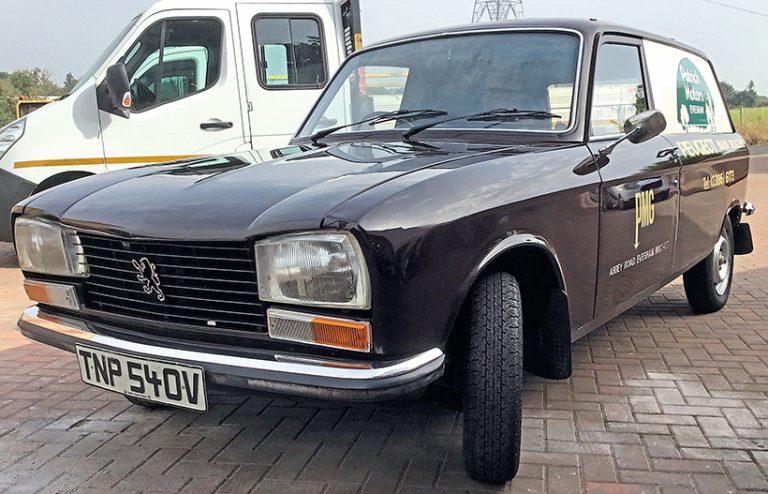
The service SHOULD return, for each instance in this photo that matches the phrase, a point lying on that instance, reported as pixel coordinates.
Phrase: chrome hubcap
(722, 264)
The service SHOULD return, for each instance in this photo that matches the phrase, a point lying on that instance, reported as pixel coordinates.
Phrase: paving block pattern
(660, 402)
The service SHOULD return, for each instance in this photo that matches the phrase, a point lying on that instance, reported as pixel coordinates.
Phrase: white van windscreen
(685, 91)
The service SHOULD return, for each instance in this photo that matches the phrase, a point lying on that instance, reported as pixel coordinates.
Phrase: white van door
(186, 96)
(290, 50)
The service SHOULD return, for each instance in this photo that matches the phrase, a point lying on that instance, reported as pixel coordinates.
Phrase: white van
(205, 77)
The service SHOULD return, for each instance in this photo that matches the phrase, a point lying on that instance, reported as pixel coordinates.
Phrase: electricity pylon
(497, 10)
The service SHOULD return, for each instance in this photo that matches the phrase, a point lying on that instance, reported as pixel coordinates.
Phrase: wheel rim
(722, 264)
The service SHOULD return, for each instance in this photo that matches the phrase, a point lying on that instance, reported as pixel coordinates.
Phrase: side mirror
(114, 93)
(638, 128)
(645, 126)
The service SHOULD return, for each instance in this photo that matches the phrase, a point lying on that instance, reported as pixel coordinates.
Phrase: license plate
(161, 382)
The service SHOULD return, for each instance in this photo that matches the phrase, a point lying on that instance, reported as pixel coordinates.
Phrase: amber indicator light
(351, 335)
(37, 292)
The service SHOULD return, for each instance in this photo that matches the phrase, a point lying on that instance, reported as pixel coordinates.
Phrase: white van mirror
(114, 92)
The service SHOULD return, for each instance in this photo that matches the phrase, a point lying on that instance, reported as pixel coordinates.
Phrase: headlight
(10, 134)
(315, 269)
(49, 248)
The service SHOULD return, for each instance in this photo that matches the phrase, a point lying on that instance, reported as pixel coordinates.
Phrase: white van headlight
(10, 134)
(313, 269)
(48, 248)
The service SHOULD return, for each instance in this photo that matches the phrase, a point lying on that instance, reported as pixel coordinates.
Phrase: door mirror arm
(638, 128)
(606, 150)
(114, 93)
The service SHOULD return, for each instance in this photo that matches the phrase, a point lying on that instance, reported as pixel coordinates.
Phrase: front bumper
(13, 189)
(337, 380)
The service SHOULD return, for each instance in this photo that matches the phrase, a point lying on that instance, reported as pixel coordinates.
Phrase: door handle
(216, 124)
(672, 153)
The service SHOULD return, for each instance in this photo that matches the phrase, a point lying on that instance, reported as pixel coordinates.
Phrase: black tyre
(493, 380)
(149, 405)
(708, 284)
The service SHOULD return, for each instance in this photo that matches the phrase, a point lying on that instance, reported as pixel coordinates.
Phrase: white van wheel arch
(58, 179)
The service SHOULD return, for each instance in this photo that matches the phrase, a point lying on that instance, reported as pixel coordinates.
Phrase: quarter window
(290, 52)
(174, 59)
(618, 92)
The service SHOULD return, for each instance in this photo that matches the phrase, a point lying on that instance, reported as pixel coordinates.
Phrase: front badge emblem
(149, 278)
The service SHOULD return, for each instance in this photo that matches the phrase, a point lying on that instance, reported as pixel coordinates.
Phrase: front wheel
(708, 284)
(493, 380)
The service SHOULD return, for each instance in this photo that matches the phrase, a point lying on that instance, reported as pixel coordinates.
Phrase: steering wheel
(380, 113)
(143, 93)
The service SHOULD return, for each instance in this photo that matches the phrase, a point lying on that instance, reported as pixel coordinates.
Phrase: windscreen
(459, 75)
(104, 54)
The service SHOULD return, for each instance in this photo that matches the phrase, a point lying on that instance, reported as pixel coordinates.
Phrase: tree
(70, 82)
(729, 92)
(8, 98)
(35, 83)
(31, 83)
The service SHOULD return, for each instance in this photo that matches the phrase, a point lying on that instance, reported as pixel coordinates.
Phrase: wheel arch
(546, 320)
(60, 178)
(734, 212)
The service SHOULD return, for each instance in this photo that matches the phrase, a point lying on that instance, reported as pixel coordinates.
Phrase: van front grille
(209, 285)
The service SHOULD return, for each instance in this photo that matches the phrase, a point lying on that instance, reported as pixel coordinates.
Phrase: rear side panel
(715, 160)
(274, 36)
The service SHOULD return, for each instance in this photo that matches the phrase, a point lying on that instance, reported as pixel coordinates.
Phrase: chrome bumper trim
(65, 332)
(748, 209)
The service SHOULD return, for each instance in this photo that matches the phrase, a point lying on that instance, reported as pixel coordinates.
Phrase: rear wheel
(708, 284)
(493, 380)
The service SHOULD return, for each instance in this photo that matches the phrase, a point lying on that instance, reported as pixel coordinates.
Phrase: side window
(173, 59)
(618, 91)
(685, 90)
(289, 52)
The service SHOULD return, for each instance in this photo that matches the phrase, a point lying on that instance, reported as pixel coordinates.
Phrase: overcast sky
(67, 35)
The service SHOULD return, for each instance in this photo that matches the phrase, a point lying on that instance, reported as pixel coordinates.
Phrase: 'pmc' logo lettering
(645, 213)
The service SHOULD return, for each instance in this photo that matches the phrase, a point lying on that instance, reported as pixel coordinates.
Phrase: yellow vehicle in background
(26, 106)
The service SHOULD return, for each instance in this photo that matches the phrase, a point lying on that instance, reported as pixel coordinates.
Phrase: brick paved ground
(661, 401)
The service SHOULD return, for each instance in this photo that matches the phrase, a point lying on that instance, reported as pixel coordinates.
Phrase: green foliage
(752, 124)
(729, 92)
(30, 83)
(746, 98)
(70, 82)
(8, 99)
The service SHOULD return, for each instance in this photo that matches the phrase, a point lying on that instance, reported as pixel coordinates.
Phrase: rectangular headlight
(313, 269)
(48, 248)
(10, 134)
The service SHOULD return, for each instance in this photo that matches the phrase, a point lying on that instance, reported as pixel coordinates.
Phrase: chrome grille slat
(198, 258)
(170, 266)
(162, 244)
(168, 305)
(194, 278)
(136, 282)
(211, 286)
(175, 296)
(99, 289)
(187, 318)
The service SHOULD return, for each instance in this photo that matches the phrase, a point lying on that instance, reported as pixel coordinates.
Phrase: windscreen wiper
(382, 118)
(497, 115)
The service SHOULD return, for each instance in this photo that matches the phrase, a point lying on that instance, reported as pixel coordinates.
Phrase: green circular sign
(694, 101)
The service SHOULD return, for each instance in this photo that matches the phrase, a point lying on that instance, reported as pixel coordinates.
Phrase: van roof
(589, 28)
(214, 4)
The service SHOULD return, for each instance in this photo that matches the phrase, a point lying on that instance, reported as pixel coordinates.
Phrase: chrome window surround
(577, 87)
